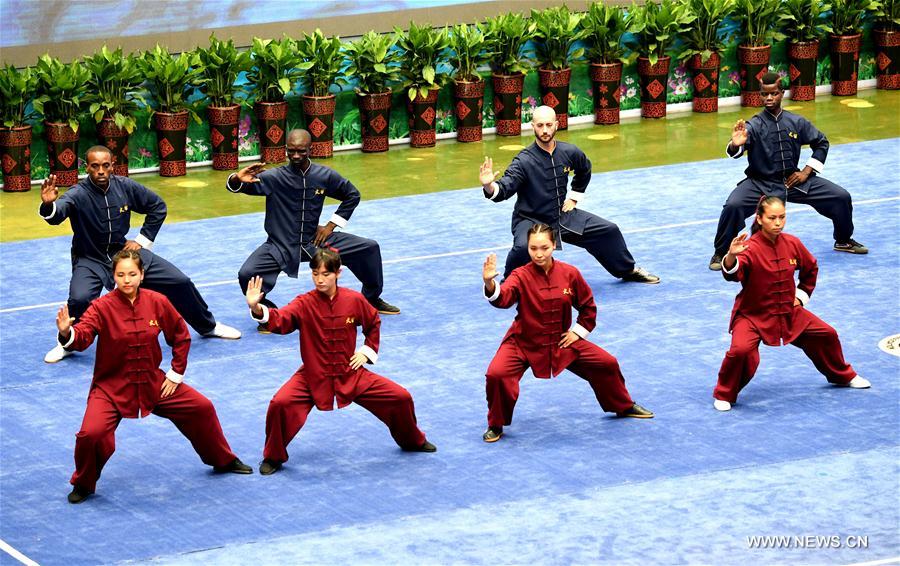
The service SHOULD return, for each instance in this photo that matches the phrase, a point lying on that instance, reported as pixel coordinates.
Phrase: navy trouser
(830, 200)
(361, 255)
(89, 277)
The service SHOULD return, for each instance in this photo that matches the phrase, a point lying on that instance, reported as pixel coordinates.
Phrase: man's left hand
(796, 178)
(569, 205)
(131, 245)
(322, 233)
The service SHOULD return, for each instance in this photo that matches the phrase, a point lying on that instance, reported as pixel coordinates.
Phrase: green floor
(681, 137)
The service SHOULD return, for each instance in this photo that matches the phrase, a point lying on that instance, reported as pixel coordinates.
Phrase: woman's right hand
(254, 294)
(489, 271)
(64, 321)
(738, 245)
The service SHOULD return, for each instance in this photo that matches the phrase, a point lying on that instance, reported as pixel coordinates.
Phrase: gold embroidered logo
(351, 320)
(792, 261)
(567, 291)
(320, 192)
(568, 170)
(153, 323)
(123, 209)
(793, 135)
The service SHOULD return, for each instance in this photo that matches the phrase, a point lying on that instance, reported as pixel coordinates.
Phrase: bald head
(299, 137)
(298, 144)
(544, 123)
(543, 114)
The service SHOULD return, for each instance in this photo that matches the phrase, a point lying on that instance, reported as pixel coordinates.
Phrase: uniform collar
(98, 189)
(121, 296)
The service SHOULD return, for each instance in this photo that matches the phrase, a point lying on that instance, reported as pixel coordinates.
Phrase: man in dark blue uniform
(99, 209)
(539, 177)
(295, 195)
(772, 141)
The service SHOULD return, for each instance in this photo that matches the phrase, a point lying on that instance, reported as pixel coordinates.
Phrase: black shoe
(234, 467)
(715, 263)
(641, 275)
(384, 307)
(492, 434)
(268, 467)
(636, 412)
(263, 328)
(851, 246)
(78, 495)
(426, 447)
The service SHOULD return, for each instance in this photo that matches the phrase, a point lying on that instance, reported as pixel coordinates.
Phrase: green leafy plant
(757, 20)
(802, 20)
(657, 26)
(470, 51)
(62, 92)
(274, 69)
(172, 79)
(221, 63)
(16, 89)
(556, 31)
(847, 15)
(507, 35)
(706, 34)
(321, 59)
(887, 17)
(424, 49)
(373, 62)
(602, 29)
(115, 79)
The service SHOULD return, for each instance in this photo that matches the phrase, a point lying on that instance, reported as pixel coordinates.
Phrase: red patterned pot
(753, 63)
(374, 120)
(802, 59)
(469, 97)
(887, 59)
(62, 152)
(15, 157)
(554, 86)
(271, 121)
(844, 63)
(654, 80)
(171, 139)
(606, 79)
(223, 135)
(116, 140)
(508, 103)
(318, 113)
(422, 112)
(705, 79)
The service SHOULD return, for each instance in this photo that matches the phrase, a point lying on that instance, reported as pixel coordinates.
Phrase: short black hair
(771, 78)
(329, 259)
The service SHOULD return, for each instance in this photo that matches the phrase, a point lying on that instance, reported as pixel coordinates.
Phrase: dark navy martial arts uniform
(773, 152)
(294, 202)
(100, 222)
(540, 182)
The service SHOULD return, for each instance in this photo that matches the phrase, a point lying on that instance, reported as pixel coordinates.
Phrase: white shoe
(721, 405)
(859, 383)
(56, 354)
(224, 331)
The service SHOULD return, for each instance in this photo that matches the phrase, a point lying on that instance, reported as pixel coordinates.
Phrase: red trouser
(187, 408)
(391, 403)
(594, 365)
(819, 342)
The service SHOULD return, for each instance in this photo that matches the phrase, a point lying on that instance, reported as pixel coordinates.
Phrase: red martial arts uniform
(764, 311)
(127, 381)
(545, 302)
(327, 341)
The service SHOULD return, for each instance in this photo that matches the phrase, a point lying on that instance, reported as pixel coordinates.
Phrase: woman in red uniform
(543, 337)
(127, 380)
(327, 319)
(770, 306)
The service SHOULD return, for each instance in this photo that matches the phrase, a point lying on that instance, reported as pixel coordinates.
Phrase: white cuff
(228, 184)
(494, 295)
(265, 315)
(581, 331)
(69, 341)
(174, 376)
(341, 222)
(816, 165)
(575, 195)
(369, 353)
(737, 262)
(736, 155)
(496, 189)
(145, 242)
(52, 213)
(802, 296)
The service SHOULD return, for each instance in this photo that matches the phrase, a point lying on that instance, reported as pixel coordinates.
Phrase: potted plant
(656, 26)
(846, 23)
(115, 79)
(507, 35)
(802, 23)
(470, 51)
(373, 62)
(756, 21)
(16, 90)
(886, 34)
(222, 63)
(62, 94)
(273, 75)
(423, 50)
(602, 29)
(703, 45)
(556, 31)
(321, 60)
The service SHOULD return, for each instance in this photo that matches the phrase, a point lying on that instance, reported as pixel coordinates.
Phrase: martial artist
(99, 209)
(772, 141)
(539, 176)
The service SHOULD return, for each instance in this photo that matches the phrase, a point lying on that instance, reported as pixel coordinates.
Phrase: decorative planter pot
(887, 59)
(62, 152)
(271, 120)
(15, 157)
(705, 78)
(844, 63)
(469, 96)
(422, 112)
(802, 58)
(554, 85)
(223, 135)
(606, 79)
(116, 140)
(318, 113)
(753, 63)
(171, 139)
(653, 80)
(508, 103)
(374, 120)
